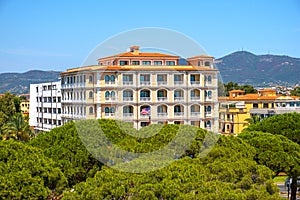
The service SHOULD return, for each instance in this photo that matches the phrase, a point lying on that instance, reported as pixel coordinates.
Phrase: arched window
(107, 78)
(107, 94)
(90, 79)
(112, 110)
(112, 78)
(91, 110)
(209, 93)
(208, 124)
(113, 94)
(106, 109)
(91, 94)
(207, 64)
(209, 78)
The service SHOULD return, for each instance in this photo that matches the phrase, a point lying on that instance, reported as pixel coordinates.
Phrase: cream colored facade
(143, 94)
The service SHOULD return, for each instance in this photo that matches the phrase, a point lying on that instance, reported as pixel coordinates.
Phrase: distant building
(24, 107)
(235, 109)
(143, 88)
(45, 106)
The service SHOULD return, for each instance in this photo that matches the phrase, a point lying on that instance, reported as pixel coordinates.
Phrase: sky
(58, 35)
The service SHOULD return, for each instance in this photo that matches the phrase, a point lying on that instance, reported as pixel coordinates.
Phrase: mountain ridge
(242, 67)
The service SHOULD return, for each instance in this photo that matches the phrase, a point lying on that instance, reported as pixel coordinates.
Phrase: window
(157, 62)
(255, 105)
(112, 110)
(144, 78)
(113, 94)
(91, 110)
(123, 62)
(59, 110)
(135, 62)
(146, 62)
(112, 78)
(143, 124)
(90, 79)
(59, 99)
(207, 64)
(107, 78)
(90, 94)
(170, 63)
(178, 78)
(265, 105)
(199, 63)
(127, 78)
(193, 78)
(209, 78)
(37, 89)
(107, 94)
(106, 109)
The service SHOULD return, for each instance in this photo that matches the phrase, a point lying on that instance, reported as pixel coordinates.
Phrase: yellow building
(235, 109)
(24, 107)
(143, 88)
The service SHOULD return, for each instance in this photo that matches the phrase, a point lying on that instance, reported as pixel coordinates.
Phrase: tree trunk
(294, 188)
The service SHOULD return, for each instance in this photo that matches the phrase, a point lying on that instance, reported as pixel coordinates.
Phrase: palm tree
(17, 128)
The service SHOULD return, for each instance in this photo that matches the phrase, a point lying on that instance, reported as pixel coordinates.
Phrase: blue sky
(56, 35)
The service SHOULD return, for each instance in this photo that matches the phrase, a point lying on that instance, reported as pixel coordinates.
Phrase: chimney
(135, 50)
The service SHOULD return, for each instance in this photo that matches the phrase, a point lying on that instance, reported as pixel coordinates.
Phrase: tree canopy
(287, 124)
(26, 173)
(249, 89)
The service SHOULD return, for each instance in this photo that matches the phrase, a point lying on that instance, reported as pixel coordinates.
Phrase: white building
(45, 106)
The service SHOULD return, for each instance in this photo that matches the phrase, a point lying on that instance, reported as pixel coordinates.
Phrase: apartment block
(45, 106)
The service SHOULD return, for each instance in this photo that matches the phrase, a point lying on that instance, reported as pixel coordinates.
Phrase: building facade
(143, 88)
(238, 107)
(45, 106)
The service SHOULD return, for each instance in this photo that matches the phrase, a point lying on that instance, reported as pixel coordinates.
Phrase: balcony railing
(162, 82)
(145, 115)
(195, 98)
(178, 98)
(208, 98)
(127, 98)
(178, 114)
(178, 82)
(195, 82)
(194, 114)
(145, 98)
(208, 83)
(109, 114)
(145, 83)
(208, 114)
(127, 114)
(127, 82)
(162, 114)
(111, 82)
(162, 98)
(110, 98)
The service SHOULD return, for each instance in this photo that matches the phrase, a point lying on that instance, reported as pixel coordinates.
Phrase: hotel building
(45, 106)
(143, 88)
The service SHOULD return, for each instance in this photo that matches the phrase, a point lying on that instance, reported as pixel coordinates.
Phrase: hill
(246, 68)
(18, 83)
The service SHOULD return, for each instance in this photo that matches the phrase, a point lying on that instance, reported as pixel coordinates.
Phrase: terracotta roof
(140, 54)
(237, 91)
(254, 97)
(140, 68)
(201, 56)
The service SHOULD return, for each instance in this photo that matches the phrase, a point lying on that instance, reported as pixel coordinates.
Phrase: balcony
(127, 98)
(109, 115)
(162, 98)
(145, 98)
(128, 115)
(162, 114)
(195, 82)
(110, 98)
(178, 82)
(178, 114)
(209, 98)
(208, 83)
(195, 114)
(208, 114)
(178, 98)
(127, 82)
(145, 83)
(162, 82)
(195, 98)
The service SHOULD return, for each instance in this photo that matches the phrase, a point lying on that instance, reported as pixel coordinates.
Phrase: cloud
(31, 52)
